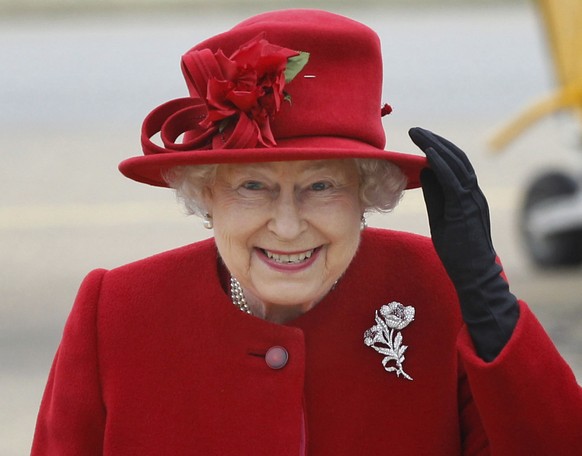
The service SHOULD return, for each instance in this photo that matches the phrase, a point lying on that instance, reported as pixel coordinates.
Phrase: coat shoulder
(174, 259)
(174, 276)
(414, 251)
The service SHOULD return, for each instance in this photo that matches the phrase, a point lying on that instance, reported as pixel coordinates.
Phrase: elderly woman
(296, 330)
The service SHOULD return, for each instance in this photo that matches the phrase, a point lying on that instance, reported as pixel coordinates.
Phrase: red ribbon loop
(171, 120)
(198, 67)
(182, 117)
(185, 121)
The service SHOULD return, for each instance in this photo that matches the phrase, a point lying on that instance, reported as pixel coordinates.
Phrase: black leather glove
(460, 228)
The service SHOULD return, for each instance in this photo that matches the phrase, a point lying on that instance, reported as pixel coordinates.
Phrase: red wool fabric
(155, 359)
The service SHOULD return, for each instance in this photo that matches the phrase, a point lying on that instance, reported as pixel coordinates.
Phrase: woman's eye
(253, 185)
(320, 186)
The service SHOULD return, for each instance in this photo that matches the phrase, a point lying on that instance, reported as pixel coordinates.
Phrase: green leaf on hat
(294, 65)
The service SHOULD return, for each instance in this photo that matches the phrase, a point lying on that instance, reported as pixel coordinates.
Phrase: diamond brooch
(386, 338)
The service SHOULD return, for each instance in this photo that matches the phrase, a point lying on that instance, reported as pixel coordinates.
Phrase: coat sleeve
(72, 414)
(474, 437)
(528, 398)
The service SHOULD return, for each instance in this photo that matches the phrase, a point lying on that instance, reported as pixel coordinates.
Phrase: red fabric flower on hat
(245, 90)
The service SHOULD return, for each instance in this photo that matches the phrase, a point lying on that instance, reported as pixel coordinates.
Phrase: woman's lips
(289, 261)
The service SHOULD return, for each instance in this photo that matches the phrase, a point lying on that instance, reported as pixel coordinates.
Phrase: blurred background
(77, 78)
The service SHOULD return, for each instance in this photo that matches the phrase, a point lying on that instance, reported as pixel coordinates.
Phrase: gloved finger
(450, 191)
(434, 197)
(428, 141)
(460, 201)
(421, 137)
(447, 177)
(456, 159)
(456, 176)
(464, 174)
(446, 144)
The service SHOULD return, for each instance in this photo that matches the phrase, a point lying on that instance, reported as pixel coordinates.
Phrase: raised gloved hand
(460, 229)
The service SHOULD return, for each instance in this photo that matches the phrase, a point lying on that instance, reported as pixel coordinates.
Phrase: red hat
(295, 84)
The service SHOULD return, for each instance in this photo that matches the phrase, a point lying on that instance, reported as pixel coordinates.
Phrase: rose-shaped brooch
(243, 92)
(391, 318)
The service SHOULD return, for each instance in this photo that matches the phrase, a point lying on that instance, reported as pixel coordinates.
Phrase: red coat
(156, 360)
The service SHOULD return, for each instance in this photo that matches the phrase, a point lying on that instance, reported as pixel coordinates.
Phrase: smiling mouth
(292, 258)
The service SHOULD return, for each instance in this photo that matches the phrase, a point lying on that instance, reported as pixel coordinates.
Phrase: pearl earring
(207, 222)
(363, 223)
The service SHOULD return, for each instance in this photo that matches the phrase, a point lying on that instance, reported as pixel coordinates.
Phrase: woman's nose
(287, 221)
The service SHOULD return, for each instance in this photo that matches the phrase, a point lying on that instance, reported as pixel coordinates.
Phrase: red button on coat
(276, 357)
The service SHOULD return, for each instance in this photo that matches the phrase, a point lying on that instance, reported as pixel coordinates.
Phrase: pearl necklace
(238, 297)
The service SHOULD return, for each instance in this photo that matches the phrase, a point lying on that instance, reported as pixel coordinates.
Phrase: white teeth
(289, 259)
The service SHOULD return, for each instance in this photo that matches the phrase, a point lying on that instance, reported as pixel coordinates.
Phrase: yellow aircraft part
(563, 23)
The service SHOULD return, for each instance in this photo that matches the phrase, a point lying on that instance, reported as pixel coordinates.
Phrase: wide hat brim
(149, 169)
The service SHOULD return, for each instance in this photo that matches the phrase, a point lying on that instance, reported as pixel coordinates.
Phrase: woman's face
(286, 230)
